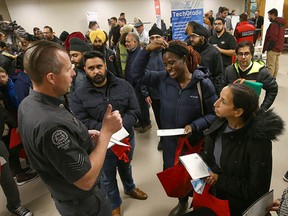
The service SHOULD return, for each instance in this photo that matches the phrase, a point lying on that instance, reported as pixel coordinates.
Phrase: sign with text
(183, 12)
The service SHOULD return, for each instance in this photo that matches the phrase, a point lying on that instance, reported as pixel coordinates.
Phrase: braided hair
(181, 49)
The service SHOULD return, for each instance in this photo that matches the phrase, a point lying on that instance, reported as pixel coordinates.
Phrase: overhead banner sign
(183, 12)
(158, 13)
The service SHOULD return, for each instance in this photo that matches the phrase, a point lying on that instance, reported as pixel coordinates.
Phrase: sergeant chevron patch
(77, 164)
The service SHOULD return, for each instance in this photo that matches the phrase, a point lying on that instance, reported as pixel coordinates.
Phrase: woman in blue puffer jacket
(179, 97)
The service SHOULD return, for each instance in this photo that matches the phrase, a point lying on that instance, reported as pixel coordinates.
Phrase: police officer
(66, 155)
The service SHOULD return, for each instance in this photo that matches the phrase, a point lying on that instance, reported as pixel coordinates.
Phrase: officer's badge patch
(60, 139)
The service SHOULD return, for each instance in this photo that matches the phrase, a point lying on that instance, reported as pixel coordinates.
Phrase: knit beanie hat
(76, 44)
(155, 31)
(63, 36)
(97, 33)
(200, 30)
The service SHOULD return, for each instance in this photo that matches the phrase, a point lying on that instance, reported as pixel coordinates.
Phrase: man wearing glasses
(224, 42)
(250, 69)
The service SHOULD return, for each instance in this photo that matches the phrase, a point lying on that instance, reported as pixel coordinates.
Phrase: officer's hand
(157, 44)
(112, 121)
(94, 134)
(148, 100)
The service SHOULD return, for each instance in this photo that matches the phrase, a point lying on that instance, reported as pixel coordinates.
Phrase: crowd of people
(64, 97)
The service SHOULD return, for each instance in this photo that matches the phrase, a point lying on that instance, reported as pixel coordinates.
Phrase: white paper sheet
(116, 137)
(258, 208)
(195, 166)
(2, 161)
(171, 132)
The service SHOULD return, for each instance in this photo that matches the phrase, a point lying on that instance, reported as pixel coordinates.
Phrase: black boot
(179, 209)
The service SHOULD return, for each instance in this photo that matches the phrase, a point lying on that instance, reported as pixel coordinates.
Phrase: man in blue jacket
(89, 103)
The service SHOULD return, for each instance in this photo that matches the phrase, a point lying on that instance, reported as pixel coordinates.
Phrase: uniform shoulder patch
(61, 139)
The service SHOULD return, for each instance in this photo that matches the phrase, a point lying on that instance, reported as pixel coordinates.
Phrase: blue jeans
(109, 172)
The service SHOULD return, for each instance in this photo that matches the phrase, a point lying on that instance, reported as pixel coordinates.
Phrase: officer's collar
(49, 100)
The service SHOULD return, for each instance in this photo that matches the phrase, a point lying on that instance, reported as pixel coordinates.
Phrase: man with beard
(249, 69)
(274, 41)
(224, 42)
(210, 55)
(89, 103)
(77, 48)
(98, 39)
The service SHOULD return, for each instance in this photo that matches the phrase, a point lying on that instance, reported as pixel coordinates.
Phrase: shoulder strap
(200, 96)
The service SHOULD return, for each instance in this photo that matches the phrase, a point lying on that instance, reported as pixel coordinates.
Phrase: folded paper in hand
(116, 137)
(171, 132)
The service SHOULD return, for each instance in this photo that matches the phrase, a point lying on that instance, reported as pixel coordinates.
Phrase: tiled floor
(148, 161)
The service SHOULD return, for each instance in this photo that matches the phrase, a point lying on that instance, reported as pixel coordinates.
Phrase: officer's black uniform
(58, 146)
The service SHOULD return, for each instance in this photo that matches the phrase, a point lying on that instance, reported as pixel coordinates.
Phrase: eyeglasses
(245, 54)
(193, 36)
(154, 37)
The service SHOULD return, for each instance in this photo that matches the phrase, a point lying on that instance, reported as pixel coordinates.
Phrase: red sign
(157, 7)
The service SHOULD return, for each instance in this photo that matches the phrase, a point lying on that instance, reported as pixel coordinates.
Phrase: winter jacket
(244, 32)
(259, 73)
(111, 63)
(211, 59)
(1, 124)
(6, 61)
(22, 84)
(121, 56)
(129, 60)
(10, 97)
(155, 64)
(246, 158)
(274, 39)
(78, 79)
(89, 103)
(179, 107)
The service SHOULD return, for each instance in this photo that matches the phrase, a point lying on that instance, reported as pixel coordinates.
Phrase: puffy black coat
(246, 158)
(211, 59)
(89, 103)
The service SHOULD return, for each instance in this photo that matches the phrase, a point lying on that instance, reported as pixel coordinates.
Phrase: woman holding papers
(238, 147)
(179, 96)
